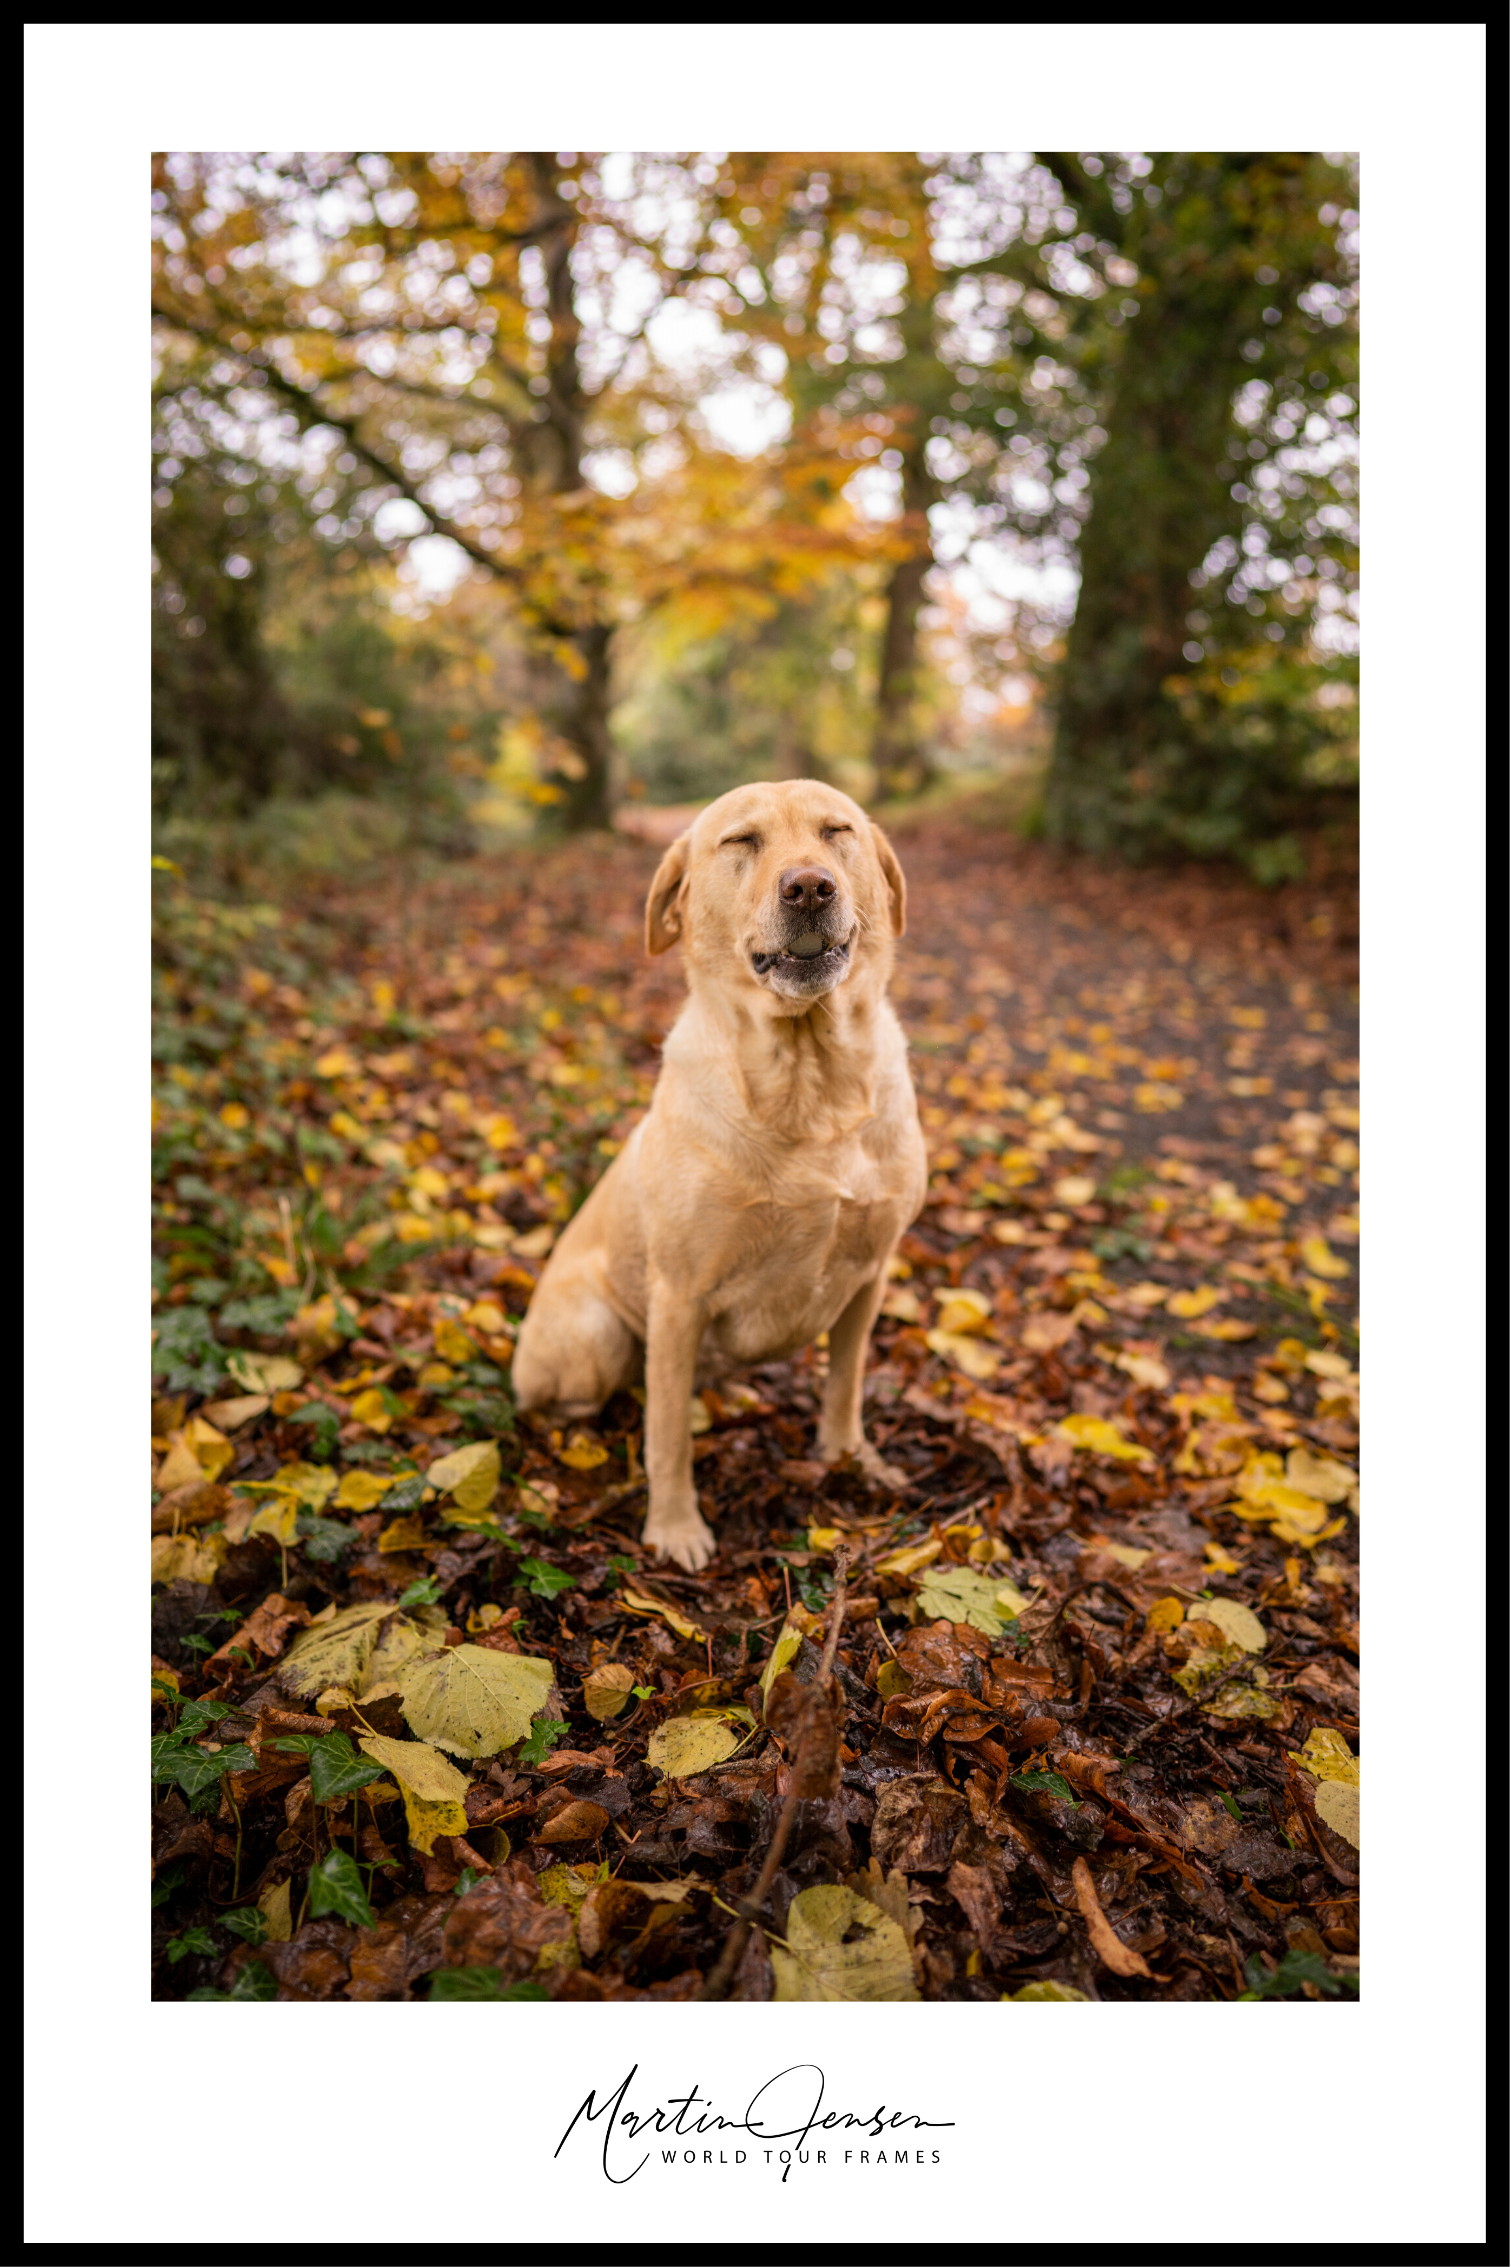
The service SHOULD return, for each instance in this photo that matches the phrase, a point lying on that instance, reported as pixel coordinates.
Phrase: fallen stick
(749, 1909)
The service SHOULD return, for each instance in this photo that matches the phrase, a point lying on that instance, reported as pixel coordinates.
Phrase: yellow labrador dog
(758, 1202)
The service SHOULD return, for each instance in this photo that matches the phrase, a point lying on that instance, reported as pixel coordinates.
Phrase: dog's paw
(684, 1537)
(872, 1467)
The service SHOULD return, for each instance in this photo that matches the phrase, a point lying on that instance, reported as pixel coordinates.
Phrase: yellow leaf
(403, 1534)
(343, 1123)
(1219, 1560)
(1320, 1476)
(337, 1062)
(1238, 1625)
(698, 1418)
(1046, 1988)
(909, 1557)
(1229, 1329)
(1187, 1304)
(1075, 1188)
(1338, 1807)
(788, 1643)
(1320, 1258)
(452, 1342)
(274, 1907)
(959, 1594)
(1144, 1369)
(335, 1653)
(1124, 1553)
(902, 1305)
(197, 1558)
(485, 1315)
(468, 1475)
(180, 1468)
(535, 1243)
(962, 1312)
(280, 1519)
(607, 1690)
(1101, 1439)
(471, 1700)
(238, 1411)
(235, 1115)
(966, 1353)
(637, 1602)
(1165, 1613)
(1144, 1295)
(824, 1538)
(434, 1790)
(312, 1484)
(583, 1453)
(1286, 1530)
(819, 1964)
(361, 1491)
(1327, 1755)
(264, 1373)
(435, 1377)
(686, 1745)
(1321, 1363)
(371, 1410)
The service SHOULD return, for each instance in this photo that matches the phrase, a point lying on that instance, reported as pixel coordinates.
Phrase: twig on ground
(721, 1975)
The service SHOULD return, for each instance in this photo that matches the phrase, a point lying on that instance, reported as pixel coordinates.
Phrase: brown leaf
(190, 1506)
(574, 1822)
(1107, 1945)
(263, 1634)
(916, 1825)
(502, 1923)
(803, 1718)
(312, 1965)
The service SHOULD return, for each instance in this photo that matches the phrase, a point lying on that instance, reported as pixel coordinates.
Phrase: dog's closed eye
(740, 841)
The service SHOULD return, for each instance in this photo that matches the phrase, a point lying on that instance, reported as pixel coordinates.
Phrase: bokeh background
(501, 495)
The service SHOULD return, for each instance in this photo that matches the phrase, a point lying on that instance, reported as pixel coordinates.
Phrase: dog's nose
(806, 885)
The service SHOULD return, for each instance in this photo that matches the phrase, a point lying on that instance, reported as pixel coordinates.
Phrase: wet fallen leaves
(429, 1722)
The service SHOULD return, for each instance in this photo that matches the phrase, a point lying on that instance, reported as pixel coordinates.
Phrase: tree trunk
(901, 761)
(1130, 771)
(583, 718)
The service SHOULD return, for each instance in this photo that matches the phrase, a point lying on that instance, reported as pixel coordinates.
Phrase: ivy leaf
(299, 1743)
(1044, 1783)
(193, 1940)
(247, 1921)
(1292, 1971)
(336, 1769)
(336, 1887)
(544, 1734)
(546, 1580)
(406, 1494)
(425, 1592)
(323, 1539)
(198, 1714)
(481, 1983)
(254, 1981)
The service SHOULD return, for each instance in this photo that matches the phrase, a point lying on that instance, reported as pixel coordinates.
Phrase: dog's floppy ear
(897, 888)
(663, 908)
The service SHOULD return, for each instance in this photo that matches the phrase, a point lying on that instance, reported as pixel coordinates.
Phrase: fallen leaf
(1238, 1624)
(967, 1354)
(360, 1491)
(818, 1964)
(1230, 1330)
(1187, 1304)
(1322, 1477)
(1075, 1188)
(1105, 1942)
(1144, 1369)
(535, 1243)
(472, 1700)
(685, 1745)
(1165, 1614)
(584, 1452)
(786, 1649)
(370, 1409)
(403, 1534)
(336, 1653)
(1125, 1553)
(433, 1789)
(1099, 1438)
(579, 1821)
(909, 1557)
(1328, 1756)
(1046, 1988)
(606, 1690)
(1043, 1334)
(637, 1602)
(273, 1904)
(1316, 1254)
(265, 1373)
(470, 1475)
(1338, 1807)
(189, 1558)
(963, 1312)
(236, 1412)
(956, 1594)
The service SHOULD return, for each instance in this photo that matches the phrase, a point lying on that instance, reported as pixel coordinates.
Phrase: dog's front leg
(841, 1432)
(673, 1525)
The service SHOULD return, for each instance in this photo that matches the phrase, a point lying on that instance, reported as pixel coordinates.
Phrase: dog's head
(786, 888)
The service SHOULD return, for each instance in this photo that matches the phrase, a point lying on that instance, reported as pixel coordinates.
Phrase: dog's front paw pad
(688, 1543)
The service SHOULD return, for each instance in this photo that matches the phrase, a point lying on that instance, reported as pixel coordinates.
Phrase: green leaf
(480, 1983)
(406, 1494)
(325, 1427)
(198, 1714)
(1228, 1804)
(193, 1940)
(299, 1743)
(166, 1883)
(247, 1921)
(255, 1981)
(546, 1580)
(1293, 1970)
(466, 1879)
(544, 1734)
(424, 1592)
(336, 1768)
(960, 1594)
(1044, 1783)
(323, 1539)
(336, 1887)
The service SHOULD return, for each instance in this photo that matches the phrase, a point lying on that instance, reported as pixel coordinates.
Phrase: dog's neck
(800, 1077)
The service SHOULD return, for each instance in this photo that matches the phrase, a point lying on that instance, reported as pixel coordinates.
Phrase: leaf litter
(425, 1709)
